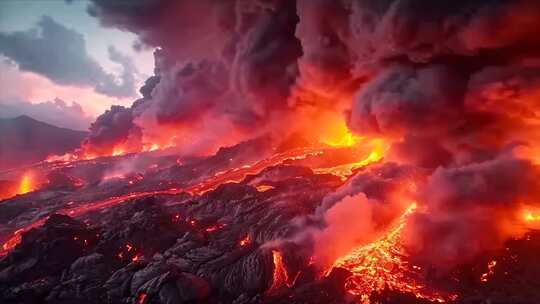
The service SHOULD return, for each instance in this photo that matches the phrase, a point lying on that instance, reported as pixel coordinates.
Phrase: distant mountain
(24, 140)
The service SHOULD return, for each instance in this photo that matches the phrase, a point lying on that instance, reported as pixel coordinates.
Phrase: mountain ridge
(25, 140)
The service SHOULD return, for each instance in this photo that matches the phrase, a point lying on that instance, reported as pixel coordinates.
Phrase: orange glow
(491, 265)
(243, 242)
(13, 241)
(338, 135)
(280, 277)
(118, 151)
(264, 188)
(531, 215)
(26, 184)
(378, 148)
(382, 264)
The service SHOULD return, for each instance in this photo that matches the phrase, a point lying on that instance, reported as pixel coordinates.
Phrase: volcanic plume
(304, 151)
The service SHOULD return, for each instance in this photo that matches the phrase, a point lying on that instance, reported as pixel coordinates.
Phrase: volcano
(26, 141)
(296, 152)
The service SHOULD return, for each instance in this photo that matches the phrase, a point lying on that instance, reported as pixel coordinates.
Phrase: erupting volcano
(288, 151)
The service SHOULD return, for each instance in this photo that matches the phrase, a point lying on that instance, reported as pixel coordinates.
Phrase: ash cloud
(233, 70)
(457, 97)
(112, 128)
(452, 84)
(59, 53)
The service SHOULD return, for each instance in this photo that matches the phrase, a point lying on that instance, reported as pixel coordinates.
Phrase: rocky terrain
(140, 238)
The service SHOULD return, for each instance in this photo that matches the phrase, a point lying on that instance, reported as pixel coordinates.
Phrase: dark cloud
(113, 128)
(56, 112)
(472, 209)
(237, 63)
(188, 29)
(60, 54)
(404, 99)
(452, 83)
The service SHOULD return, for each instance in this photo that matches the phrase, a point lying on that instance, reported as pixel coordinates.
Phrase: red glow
(141, 298)
(215, 227)
(230, 176)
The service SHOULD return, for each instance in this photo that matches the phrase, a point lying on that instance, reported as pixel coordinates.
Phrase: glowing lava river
(234, 175)
(246, 227)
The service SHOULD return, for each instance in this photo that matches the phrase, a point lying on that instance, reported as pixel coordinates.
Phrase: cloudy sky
(59, 65)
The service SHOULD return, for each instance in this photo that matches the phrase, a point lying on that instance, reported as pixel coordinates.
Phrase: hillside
(24, 140)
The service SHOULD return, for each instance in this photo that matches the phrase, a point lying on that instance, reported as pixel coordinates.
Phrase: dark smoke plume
(453, 84)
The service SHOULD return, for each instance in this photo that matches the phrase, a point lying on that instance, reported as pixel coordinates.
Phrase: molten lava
(264, 188)
(378, 148)
(246, 240)
(26, 184)
(382, 264)
(491, 266)
(530, 215)
(280, 277)
(334, 132)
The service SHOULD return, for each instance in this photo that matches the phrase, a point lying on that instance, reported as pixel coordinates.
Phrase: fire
(377, 152)
(338, 135)
(117, 151)
(280, 276)
(243, 242)
(25, 185)
(382, 264)
(530, 215)
(491, 265)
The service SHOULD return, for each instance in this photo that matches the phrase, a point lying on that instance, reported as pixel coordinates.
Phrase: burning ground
(317, 152)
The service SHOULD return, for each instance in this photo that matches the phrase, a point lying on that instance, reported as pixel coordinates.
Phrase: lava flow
(275, 151)
(280, 277)
(382, 265)
(234, 175)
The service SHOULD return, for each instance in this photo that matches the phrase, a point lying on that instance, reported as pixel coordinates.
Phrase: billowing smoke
(453, 85)
(352, 213)
(472, 209)
(456, 87)
(228, 72)
(113, 128)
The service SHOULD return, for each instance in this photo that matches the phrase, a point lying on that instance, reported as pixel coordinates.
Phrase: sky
(59, 65)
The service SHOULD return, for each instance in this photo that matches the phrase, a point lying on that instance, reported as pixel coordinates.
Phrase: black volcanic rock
(24, 140)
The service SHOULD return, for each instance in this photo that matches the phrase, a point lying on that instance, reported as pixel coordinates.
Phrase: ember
(245, 241)
(485, 276)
